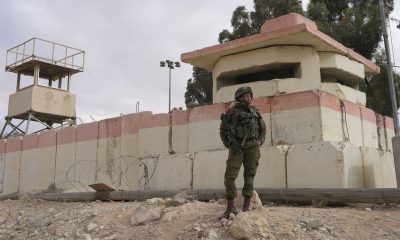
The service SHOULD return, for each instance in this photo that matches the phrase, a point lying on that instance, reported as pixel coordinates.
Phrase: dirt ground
(38, 219)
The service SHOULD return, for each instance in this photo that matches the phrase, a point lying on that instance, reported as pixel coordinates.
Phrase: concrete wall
(314, 139)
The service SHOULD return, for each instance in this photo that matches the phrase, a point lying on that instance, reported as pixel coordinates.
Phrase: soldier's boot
(230, 208)
(246, 204)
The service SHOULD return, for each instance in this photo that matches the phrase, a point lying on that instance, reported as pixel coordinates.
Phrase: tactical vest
(247, 127)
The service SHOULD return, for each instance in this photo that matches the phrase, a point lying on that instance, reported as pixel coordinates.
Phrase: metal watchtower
(47, 98)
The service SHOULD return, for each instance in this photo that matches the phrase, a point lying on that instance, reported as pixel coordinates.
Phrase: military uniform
(242, 130)
(249, 133)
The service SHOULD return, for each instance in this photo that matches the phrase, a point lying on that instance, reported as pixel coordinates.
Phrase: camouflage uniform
(249, 133)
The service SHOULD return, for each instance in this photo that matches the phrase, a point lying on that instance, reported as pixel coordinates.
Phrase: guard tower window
(260, 73)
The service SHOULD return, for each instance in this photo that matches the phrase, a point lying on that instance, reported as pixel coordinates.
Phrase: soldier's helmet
(241, 91)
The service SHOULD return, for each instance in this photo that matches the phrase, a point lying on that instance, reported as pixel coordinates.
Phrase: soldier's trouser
(249, 158)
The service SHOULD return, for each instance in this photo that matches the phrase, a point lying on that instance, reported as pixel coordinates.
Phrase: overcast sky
(124, 43)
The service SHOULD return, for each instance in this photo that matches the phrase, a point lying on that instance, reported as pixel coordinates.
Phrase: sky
(124, 42)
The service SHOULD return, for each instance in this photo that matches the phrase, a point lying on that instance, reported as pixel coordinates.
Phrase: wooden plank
(336, 196)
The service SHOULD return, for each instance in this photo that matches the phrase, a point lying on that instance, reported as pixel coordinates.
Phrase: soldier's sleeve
(262, 128)
(223, 130)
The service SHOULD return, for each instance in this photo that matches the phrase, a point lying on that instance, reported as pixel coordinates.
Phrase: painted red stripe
(180, 117)
(30, 142)
(66, 135)
(87, 131)
(47, 138)
(110, 128)
(295, 101)
(389, 122)
(2, 146)
(13, 144)
(131, 122)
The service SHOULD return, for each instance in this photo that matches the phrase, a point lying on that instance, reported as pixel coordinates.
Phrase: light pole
(171, 65)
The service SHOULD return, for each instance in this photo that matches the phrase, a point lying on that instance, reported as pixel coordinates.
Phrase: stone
(145, 213)
(249, 225)
(314, 224)
(111, 237)
(213, 235)
(255, 201)
(91, 226)
(368, 209)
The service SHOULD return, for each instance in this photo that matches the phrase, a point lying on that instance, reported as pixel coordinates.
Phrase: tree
(376, 87)
(199, 88)
(354, 23)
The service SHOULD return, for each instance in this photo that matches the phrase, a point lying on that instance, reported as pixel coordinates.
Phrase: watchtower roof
(56, 60)
(290, 29)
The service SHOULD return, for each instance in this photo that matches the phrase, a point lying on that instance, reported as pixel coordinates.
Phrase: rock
(110, 237)
(314, 224)
(179, 199)
(91, 226)
(231, 216)
(144, 214)
(213, 235)
(368, 209)
(198, 229)
(155, 201)
(255, 201)
(249, 225)
(51, 210)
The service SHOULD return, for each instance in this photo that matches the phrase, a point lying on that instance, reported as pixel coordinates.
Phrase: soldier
(242, 130)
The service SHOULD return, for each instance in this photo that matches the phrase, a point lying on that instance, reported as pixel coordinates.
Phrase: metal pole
(389, 68)
(169, 103)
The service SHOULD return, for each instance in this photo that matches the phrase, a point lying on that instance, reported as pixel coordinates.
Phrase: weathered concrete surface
(154, 135)
(296, 119)
(180, 131)
(204, 125)
(379, 169)
(227, 67)
(109, 153)
(209, 169)
(12, 163)
(396, 154)
(345, 93)
(325, 165)
(169, 172)
(43, 100)
(369, 128)
(65, 158)
(86, 156)
(271, 172)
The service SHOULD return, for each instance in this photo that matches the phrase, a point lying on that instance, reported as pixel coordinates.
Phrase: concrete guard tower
(46, 99)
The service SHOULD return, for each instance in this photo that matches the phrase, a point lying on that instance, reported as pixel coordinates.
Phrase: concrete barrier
(167, 172)
(209, 169)
(271, 172)
(154, 136)
(29, 162)
(130, 150)
(2, 158)
(204, 122)
(109, 153)
(65, 158)
(45, 168)
(296, 118)
(86, 167)
(369, 128)
(379, 170)
(325, 165)
(12, 163)
(331, 117)
(389, 129)
(180, 131)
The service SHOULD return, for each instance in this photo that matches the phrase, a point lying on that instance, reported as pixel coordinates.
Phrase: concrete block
(352, 123)
(369, 128)
(108, 169)
(204, 122)
(345, 93)
(339, 66)
(28, 163)
(332, 128)
(296, 118)
(12, 163)
(180, 131)
(167, 172)
(86, 156)
(324, 165)
(379, 169)
(271, 171)
(130, 170)
(209, 169)
(381, 130)
(389, 128)
(396, 156)
(2, 158)
(154, 138)
(65, 158)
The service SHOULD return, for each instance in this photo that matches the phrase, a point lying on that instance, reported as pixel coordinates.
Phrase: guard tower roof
(56, 60)
(290, 29)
